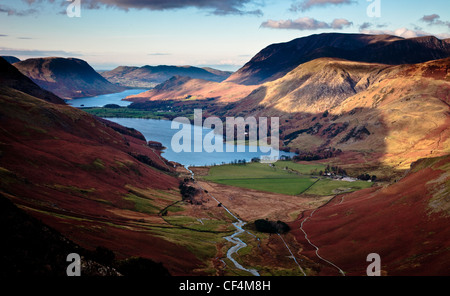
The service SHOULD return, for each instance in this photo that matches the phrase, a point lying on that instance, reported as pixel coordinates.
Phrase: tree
(271, 226)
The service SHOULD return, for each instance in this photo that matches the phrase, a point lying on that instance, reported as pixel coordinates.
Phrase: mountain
(397, 114)
(404, 223)
(364, 109)
(67, 78)
(96, 183)
(11, 59)
(276, 60)
(11, 77)
(149, 76)
(183, 88)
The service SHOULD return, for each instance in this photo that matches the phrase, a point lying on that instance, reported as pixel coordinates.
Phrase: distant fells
(276, 60)
(68, 78)
(10, 77)
(150, 76)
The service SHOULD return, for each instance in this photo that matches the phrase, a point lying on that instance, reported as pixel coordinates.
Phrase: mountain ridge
(66, 77)
(11, 77)
(276, 60)
(11, 59)
(150, 76)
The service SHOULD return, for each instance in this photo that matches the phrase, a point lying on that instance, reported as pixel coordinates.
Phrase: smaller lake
(161, 131)
(102, 100)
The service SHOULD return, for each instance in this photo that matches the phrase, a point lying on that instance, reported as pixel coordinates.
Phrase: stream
(238, 243)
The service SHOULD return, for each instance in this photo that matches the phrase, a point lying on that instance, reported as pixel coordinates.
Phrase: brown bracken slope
(405, 223)
(83, 178)
(400, 113)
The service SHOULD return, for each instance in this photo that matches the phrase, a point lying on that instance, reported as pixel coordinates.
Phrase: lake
(161, 131)
(102, 100)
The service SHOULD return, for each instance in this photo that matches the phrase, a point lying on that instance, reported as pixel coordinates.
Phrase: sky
(223, 34)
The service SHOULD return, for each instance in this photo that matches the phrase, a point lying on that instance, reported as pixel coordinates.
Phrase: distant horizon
(229, 68)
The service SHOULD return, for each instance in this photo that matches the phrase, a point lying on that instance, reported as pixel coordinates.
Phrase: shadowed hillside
(67, 78)
(97, 185)
(12, 78)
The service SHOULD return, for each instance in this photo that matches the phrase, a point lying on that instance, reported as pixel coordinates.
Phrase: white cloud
(308, 4)
(306, 23)
(405, 33)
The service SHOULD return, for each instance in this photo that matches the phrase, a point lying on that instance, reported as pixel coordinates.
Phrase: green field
(125, 112)
(295, 180)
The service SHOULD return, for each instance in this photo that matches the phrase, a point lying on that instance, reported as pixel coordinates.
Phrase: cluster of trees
(271, 226)
(317, 155)
(333, 170)
(239, 161)
(367, 177)
(148, 161)
(188, 193)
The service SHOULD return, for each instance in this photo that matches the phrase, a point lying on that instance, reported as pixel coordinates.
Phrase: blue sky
(224, 34)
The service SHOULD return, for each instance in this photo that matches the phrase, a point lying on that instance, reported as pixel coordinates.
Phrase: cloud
(3, 35)
(216, 7)
(430, 18)
(14, 12)
(37, 53)
(405, 33)
(308, 4)
(159, 54)
(366, 25)
(306, 23)
(340, 24)
(434, 19)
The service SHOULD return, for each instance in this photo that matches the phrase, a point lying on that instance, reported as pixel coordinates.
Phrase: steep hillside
(97, 185)
(397, 113)
(185, 88)
(405, 223)
(11, 77)
(30, 248)
(149, 76)
(276, 60)
(67, 78)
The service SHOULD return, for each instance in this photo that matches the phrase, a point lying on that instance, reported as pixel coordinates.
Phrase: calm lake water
(100, 101)
(161, 131)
